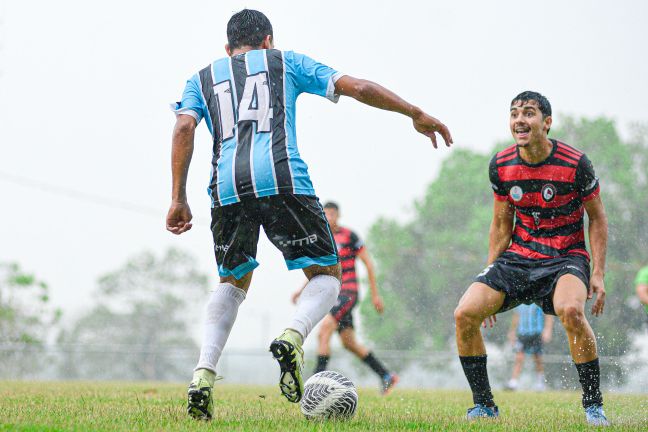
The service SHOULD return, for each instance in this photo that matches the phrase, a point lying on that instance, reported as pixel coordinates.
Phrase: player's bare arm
(547, 331)
(499, 238)
(642, 293)
(598, 236)
(371, 274)
(377, 96)
(179, 217)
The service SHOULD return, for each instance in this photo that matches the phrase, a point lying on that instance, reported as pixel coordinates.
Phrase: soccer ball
(328, 395)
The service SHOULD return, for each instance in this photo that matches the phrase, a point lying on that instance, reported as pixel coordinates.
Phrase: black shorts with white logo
(295, 224)
(342, 311)
(526, 280)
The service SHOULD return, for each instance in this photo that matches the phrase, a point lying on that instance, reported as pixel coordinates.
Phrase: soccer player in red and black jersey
(537, 252)
(349, 247)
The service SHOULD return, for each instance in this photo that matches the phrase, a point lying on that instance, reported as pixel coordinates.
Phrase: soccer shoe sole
(290, 384)
(198, 403)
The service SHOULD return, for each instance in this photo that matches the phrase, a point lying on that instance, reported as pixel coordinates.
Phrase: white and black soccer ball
(329, 395)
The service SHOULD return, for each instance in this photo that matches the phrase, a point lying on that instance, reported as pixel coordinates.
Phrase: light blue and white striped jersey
(248, 102)
(531, 319)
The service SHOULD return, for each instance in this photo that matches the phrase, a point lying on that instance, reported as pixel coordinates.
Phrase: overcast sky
(85, 88)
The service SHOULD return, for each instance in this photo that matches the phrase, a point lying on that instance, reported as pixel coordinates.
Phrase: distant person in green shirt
(642, 287)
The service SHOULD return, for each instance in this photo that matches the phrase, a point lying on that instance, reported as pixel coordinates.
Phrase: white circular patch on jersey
(516, 193)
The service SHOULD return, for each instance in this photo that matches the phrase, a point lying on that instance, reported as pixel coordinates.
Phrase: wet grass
(50, 406)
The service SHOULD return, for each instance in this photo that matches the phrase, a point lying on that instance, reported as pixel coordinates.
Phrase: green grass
(82, 406)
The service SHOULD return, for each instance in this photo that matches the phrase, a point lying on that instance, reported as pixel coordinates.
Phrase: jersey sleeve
(642, 277)
(313, 77)
(586, 181)
(499, 192)
(356, 243)
(192, 102)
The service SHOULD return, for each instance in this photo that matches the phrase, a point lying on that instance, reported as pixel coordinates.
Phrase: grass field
(154, 406)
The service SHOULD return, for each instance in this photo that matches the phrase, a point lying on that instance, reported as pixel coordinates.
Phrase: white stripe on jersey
(252, 136)
(272, 164)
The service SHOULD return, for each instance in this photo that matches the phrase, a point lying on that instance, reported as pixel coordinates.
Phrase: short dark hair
(332, 205)
(248, 28)
(543, 102)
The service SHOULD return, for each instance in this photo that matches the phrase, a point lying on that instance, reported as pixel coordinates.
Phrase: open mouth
(522, 131)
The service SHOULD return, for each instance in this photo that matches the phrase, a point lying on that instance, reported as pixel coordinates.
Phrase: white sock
(222, 308)
(315, 301)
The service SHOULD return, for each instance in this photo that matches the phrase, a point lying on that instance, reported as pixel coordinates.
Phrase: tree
(425, 265)
(139, 325)
(26, 320)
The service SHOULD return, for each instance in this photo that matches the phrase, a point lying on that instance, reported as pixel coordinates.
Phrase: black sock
(375, 364)
(589, 375)
(322, 361)
(475, 369)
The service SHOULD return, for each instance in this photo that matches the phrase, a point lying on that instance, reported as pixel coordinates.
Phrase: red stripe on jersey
(556, 222)
(507, 158)
(542, 172)
(532, 199)
(348, 263)
(569, 149)
(526, 252)
(500, 197)
(507, 151)
(556, 242)
(565, 158)
(596, 192)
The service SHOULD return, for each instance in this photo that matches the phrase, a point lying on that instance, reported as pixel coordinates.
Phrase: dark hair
(247, 28)
(543, 102)
(332, 205)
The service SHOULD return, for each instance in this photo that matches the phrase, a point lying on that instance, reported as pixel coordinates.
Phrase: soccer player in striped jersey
(530, 330)
(537, 253)
(248, 101)
(340, 318)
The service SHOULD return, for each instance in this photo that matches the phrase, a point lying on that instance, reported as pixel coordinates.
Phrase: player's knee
(464, 317)
(572, 316)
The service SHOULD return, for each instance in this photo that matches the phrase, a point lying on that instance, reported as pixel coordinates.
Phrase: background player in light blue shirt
(530, 329)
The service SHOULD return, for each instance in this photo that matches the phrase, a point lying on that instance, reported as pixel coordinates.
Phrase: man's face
(527, 124)
(331, 215)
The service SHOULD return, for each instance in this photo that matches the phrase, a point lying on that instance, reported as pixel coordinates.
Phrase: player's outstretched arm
(179, 217)
(377, 96)
(548, 329)
(598, 236)
(371, 274)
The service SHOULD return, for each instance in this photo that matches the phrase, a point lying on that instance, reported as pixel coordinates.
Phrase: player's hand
(546, 337)
(429, 126)
(490, 321)
(597, 285)
(378, 303)
(179, 218)
(295, 296)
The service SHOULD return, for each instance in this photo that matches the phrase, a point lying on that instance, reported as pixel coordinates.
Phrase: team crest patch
(516, 193)
(548, 192)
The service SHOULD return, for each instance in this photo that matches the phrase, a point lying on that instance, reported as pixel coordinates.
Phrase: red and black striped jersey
(548, 199)
(349, 246)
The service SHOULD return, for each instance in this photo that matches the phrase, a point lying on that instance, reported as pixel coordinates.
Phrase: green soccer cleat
(200, 403)
(287, 350)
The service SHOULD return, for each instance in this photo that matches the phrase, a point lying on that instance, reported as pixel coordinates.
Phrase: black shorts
(295, 224)
(527, 281)
(529, 344)
(346, 301)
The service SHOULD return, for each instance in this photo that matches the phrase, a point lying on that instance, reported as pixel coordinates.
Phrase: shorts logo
(299, 242)
(486, 270)
(548, 192)
(221, 248)
(516, 193)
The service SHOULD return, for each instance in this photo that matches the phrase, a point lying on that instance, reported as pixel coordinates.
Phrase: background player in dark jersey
(340, 317)
(544, 186)
(248, 101)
